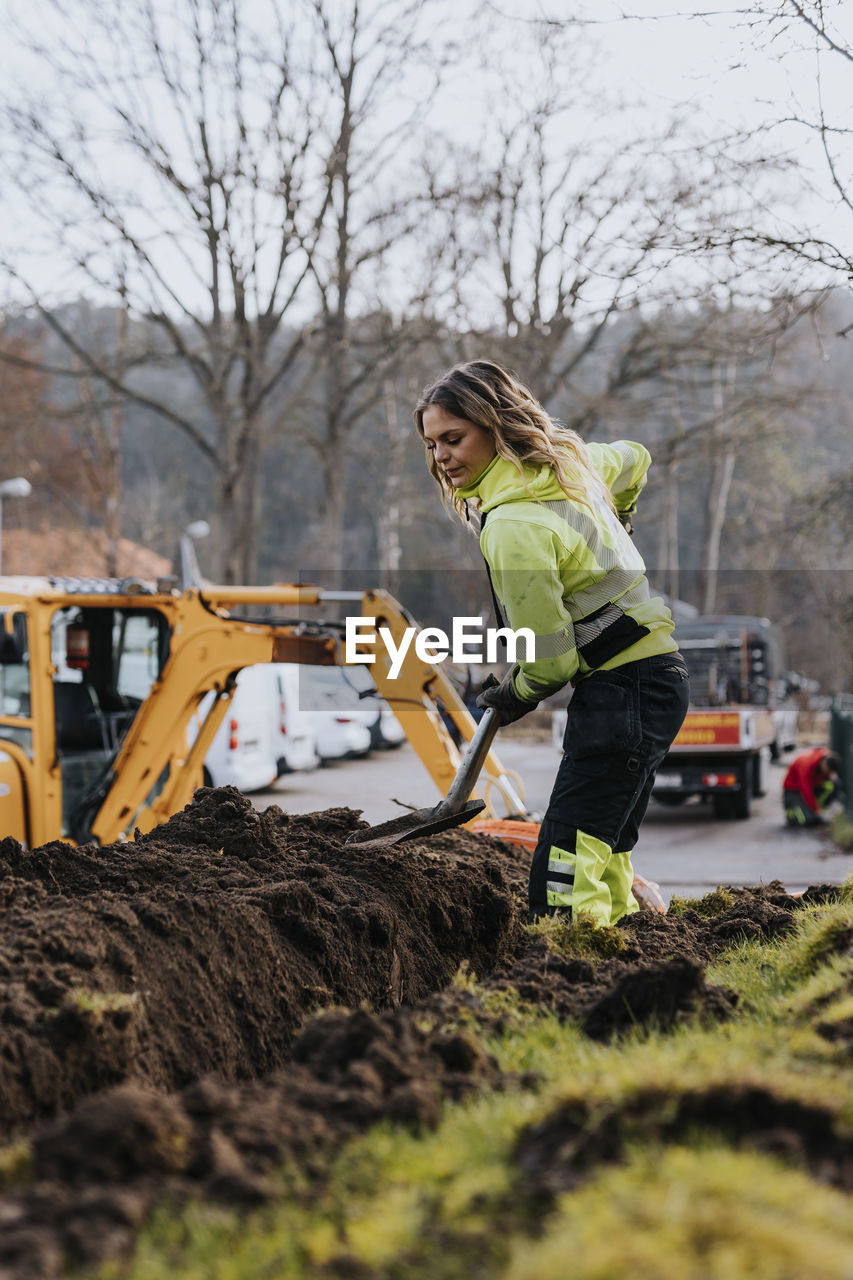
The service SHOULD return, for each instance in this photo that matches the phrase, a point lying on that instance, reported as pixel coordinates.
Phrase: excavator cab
(106, 660)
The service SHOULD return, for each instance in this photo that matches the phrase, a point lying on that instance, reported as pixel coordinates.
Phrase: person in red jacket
(810, 785)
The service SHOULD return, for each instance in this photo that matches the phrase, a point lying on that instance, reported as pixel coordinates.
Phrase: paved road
(685, 850)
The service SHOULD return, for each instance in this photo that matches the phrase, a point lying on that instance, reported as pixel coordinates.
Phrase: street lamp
(190, 572)
(19, 487)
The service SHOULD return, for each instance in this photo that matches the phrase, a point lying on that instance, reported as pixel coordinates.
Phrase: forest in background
(739, 514)
(270, 245)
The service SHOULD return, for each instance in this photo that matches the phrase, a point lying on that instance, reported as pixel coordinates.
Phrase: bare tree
(560, 230)
(176, 187)
(365, 55)
(70, 450)
(219, 176)
(819, 33)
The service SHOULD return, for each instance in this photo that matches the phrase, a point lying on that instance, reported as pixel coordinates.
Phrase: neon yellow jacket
(568, 572)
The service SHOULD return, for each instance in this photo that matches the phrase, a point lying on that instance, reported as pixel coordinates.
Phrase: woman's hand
(504, 699)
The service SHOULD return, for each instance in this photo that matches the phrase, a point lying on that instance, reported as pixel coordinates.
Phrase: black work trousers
(619, 728)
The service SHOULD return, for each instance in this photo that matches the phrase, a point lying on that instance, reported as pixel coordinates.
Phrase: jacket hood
(501, 482)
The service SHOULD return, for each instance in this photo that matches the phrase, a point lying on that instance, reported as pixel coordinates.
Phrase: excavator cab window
(106, 661)
(15, 679)
(137, 652)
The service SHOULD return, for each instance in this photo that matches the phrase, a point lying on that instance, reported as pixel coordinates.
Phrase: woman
(562, 563)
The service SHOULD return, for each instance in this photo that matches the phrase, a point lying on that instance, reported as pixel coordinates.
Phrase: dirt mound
(656, 976)
(201, 947)
(154, 996)
(557, 1153)
(100, 1168)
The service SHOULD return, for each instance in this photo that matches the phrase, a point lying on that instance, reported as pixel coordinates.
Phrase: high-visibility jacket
(567, 571)
(803, 776)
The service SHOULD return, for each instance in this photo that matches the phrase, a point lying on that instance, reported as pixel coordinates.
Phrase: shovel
(452, 811)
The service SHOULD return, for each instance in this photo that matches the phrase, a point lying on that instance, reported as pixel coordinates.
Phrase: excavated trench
(154, 996)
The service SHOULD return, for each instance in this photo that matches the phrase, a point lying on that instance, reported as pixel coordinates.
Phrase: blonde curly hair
(496, 401)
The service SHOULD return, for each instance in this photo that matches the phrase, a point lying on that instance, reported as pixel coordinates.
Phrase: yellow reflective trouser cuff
(575, 879)
(618, 875)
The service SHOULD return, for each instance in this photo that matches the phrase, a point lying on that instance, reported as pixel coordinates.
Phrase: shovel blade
(412, 826)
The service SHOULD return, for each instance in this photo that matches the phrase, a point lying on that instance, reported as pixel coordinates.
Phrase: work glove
(626, 519)
(504, 699)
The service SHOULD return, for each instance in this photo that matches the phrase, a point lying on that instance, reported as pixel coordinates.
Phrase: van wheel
(206, 779)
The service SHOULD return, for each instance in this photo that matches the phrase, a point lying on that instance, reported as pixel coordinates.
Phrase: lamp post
(190, 573)
(19, 487)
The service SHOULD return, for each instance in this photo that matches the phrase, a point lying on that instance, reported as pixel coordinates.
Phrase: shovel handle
(472, 762)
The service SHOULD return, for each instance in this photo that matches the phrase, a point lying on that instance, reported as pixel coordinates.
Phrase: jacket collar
(501, 482)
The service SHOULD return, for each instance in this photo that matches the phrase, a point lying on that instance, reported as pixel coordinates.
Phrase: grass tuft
(821, 936)
(17, 1165)
(841, 831)
(712, 904)
(705, 1214)
(100, 1003)
(581, 938)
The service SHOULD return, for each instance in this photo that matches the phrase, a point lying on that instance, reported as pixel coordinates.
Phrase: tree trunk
(718, 497)
(668, 556)
(113, 478)
(723, 466)
(388, 517)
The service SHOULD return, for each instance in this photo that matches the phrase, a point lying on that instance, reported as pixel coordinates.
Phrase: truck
(741, 714)
(112, 691)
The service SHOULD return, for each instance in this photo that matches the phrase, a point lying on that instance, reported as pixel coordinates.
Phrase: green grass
(841, 831)
(16, 1164)
(571, 939)
(695, 1202)
(96, 1005)
(713, 904)
(701, 1214)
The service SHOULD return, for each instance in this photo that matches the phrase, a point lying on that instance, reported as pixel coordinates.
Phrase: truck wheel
(737, 805)
(742, 802)
(760, 767)
(669, 797)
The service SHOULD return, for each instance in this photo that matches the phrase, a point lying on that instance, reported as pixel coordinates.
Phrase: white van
(294, 730)
(386, 731)
(242, 754)
(340, 721)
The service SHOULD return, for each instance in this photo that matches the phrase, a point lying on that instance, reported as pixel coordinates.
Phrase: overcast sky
(711, 65)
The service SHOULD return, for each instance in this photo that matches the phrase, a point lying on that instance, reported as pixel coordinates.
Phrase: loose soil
(155, 995)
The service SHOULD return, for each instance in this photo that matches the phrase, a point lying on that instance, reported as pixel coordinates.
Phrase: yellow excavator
(84, 757)
(112, 691)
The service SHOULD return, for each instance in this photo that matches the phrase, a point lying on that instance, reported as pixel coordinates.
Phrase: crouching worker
(550, 512)
(810, 786)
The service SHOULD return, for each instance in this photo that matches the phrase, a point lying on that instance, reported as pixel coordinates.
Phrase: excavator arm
(157, 769)
(415, 695)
